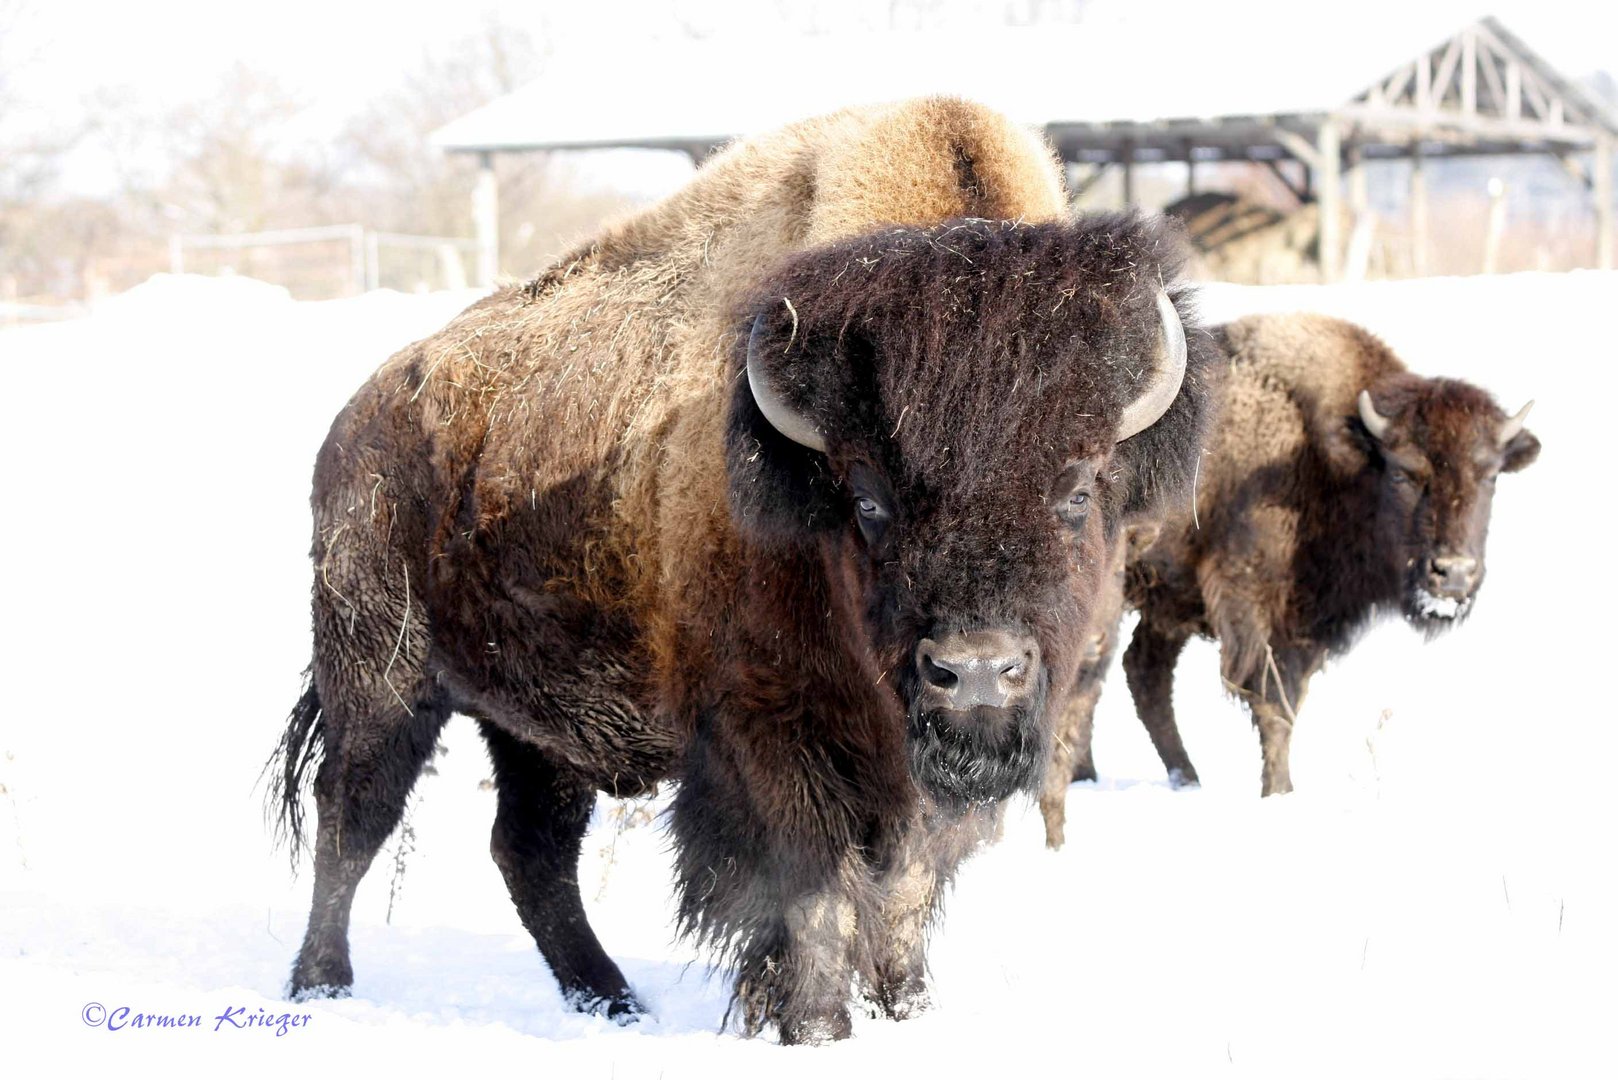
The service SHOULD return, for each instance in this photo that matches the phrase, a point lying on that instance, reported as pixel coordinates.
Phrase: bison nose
(984, 667)
(1454, 575)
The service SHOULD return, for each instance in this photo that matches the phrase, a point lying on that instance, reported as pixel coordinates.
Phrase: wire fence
(329, 261)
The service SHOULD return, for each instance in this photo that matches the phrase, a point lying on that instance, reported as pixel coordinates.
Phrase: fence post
(486, 221)
(356, 257)
(373, 261)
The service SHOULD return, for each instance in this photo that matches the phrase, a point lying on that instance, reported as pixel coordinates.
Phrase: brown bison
(1338, 487)
(794, 488)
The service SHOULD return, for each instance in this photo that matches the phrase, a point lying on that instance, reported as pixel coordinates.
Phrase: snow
(1436, 898)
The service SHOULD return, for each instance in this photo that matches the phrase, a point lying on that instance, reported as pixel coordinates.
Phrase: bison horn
(1512, 427)
(1374, 422)
(1163, 385)
(782, 417)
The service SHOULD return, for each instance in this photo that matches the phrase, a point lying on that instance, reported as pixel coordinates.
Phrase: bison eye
(1075, 508)
(872, 517)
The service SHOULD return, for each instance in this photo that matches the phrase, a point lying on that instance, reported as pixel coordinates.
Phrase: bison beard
(989, 755)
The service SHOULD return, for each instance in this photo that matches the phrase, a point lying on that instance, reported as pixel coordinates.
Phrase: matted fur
(1306, 527)
(563, 515)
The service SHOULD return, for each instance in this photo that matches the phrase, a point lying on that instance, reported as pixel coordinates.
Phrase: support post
(1190, 169)
(1330, 148)
(1497, 225)
(1418, 211)
(486, 221)
(356, 258)
(1126, 158)
(1602, 167)
(1359, 200)
(373, 261)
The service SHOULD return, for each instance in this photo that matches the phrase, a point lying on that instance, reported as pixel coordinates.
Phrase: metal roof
(1088, 85)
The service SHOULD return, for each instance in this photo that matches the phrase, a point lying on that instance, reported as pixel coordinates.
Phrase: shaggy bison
(1339, 487)
(794, 488)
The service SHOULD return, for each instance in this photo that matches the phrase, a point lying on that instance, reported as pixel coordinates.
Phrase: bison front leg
(1149, 668)
(1070, 756)
(775, 897)
(798, 974)
(539, 825)
(899, 947)
(1274, 696)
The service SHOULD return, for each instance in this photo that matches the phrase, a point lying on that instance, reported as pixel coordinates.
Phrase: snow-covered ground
(1436, 900)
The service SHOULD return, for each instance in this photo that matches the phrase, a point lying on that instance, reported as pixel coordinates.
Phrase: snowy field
(1436, 900)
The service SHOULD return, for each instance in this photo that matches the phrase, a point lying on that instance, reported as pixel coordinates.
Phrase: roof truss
(1480, 83)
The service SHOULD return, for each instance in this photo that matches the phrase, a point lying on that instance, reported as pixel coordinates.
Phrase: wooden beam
(1359, 202)
(1077, 188)
(1446, 72)
(1418, 212)
(1490, 63)
(1469, 72)
(1424, 83)
(1602, 168)
(1301, 193)
(1535, 94)
(1513, 90)
(1398, 124)
(1395, 86)
(1577, 171)
(1330, 152)
(1296, 145)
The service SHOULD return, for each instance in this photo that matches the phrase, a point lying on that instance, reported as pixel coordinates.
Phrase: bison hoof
(1183, 778)
(320, 974)
(813, 1031)
(318, 992)
(622, 1009)
(908, 1004)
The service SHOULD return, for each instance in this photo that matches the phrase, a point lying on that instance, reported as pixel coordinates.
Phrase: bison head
(955, 420)
(1437, 446)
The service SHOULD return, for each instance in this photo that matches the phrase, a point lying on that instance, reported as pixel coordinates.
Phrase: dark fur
(819, 816)
(1306, 531)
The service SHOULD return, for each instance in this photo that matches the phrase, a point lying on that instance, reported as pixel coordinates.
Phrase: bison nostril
(937, 675)
(1015, 670)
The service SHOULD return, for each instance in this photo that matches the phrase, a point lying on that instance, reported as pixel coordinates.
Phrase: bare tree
(413, 187)
(31, 246)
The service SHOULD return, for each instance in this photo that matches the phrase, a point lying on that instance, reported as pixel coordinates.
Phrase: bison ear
(1520, 452)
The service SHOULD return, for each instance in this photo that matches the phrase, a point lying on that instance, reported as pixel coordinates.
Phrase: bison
(1339, 487)
(794, 489)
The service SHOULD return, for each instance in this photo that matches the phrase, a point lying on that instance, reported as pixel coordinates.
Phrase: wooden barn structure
(1109, 97)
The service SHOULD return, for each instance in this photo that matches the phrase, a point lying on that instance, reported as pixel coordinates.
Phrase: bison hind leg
(370, 765)
(542, 813)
